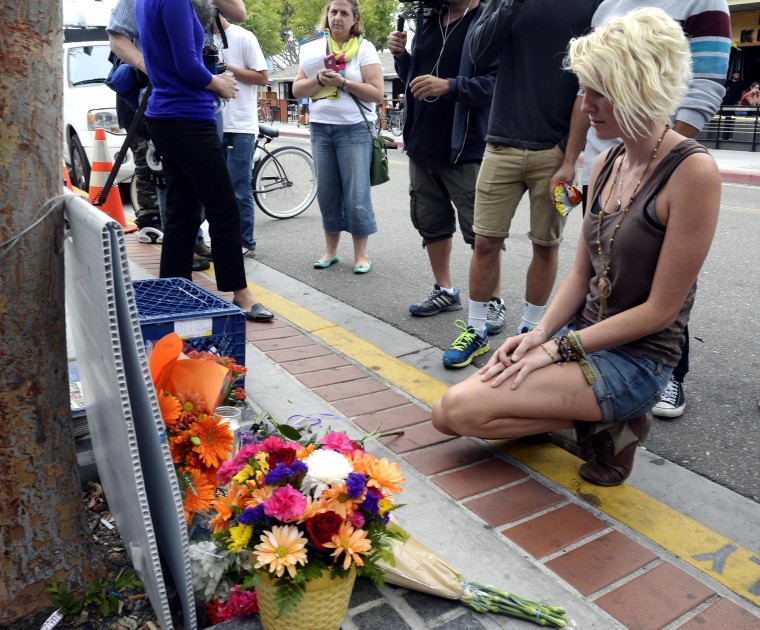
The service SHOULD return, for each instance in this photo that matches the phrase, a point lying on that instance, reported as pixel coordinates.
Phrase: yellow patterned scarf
(343, 54)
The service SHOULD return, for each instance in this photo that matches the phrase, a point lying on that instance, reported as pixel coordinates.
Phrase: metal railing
(733, 128)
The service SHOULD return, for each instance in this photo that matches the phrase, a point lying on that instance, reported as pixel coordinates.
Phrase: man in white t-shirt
(245, 60)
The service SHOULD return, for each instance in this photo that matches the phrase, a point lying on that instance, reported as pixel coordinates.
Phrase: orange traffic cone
(66, 178)
(101, 167)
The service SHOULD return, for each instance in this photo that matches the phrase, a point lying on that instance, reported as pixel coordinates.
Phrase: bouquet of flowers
(231, 395)
(189, 388)
(301, 507)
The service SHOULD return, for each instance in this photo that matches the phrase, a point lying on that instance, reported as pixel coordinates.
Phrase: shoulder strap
(362, 107)
(222, 34)
(669, 164)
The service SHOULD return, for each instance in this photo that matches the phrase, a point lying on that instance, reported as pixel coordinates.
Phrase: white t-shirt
(240, 113)
(343, 110)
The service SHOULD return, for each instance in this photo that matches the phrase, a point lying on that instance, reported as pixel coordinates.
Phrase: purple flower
(250, 515)
(355, 484)
(277, 474)
(369, 505)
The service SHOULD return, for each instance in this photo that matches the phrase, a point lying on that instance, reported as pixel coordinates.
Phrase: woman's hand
(332, 78)
(517, 355)
(224, 86)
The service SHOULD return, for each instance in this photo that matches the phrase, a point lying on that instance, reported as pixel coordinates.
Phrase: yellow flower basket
(323, 607)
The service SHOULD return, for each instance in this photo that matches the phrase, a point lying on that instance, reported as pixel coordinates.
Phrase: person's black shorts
(305, 108)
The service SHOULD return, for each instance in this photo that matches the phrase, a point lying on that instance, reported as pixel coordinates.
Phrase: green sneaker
(466, 347)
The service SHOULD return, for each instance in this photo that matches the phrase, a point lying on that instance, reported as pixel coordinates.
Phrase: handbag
(378, 168)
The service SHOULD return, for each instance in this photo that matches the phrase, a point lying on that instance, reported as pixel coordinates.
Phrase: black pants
(196, 174)
(682, 369)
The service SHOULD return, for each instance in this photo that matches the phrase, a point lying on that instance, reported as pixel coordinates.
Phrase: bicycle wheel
(283, 182)
(397, 124)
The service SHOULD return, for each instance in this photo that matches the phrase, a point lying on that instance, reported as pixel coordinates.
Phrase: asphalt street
(717, 437)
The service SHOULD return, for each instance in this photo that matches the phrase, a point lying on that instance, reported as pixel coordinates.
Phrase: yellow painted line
(735, 567)
(394, 371)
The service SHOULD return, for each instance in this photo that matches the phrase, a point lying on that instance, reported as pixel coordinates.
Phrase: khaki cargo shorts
(505, 175)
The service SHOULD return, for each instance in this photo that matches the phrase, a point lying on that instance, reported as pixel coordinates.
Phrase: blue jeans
(342, 156)
(239, 150)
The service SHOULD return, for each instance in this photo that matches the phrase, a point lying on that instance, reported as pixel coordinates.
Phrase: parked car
(87, 102)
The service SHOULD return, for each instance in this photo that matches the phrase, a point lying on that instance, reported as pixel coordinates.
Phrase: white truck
(87, 102)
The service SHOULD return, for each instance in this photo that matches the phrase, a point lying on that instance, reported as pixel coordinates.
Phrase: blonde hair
(357, 29)
(640, 62)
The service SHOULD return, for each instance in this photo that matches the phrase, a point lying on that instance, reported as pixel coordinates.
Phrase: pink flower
(357, 519)
(286, 503)
(233, 466)
(338, 442)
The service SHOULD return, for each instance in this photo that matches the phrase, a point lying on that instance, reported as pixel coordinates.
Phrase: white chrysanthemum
(326, 468)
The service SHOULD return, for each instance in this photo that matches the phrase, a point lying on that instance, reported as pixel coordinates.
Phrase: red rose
(282, 455)
(322, 527)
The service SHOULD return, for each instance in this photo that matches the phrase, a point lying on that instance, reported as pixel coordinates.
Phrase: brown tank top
(637, 247)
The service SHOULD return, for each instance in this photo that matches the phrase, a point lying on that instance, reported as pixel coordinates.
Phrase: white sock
(531, 316)
(449, 291)
(477, 316)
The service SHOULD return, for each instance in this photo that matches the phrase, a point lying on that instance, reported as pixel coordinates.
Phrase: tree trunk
(43, 524)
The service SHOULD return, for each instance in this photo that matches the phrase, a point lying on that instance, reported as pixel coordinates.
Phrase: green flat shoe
(324, 264)
(363, 268)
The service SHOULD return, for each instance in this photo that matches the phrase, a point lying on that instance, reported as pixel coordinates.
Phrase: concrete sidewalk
(666, 550)
(736, 167)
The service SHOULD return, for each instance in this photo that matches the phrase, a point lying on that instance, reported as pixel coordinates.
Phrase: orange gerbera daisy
(191, 407)
(197, 491)
(170, 408)
(336, 499)
(351, 542)
(223, 507)
(385, 475)
(215, 440)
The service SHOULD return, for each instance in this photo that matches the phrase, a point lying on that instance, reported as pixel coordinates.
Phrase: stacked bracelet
(569, 348)
(319, 80)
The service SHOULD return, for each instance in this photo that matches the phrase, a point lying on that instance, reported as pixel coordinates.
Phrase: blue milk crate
(203, 320)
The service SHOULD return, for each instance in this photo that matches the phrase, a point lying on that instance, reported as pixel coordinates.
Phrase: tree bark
(43, 524)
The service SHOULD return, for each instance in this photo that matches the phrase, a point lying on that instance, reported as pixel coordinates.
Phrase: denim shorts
(626, 386)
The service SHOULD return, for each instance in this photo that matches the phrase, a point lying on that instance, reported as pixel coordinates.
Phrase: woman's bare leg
(550, 399)
(360, 251)
(332, 240)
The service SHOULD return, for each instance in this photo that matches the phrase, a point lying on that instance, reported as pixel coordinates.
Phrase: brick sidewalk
(642, 587)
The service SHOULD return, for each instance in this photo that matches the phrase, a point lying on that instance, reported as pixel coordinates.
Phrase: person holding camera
(341, 73)
(605, 347)
(124, 40)
(444, 136)
(181, 121)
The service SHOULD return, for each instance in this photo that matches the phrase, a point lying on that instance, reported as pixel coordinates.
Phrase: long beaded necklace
(605, 286)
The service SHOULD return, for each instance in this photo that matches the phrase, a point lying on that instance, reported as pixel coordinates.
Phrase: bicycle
(283, 179)
(395, 121)
(265, 114)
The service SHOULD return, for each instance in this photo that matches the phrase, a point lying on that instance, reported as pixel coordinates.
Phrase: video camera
(211, 59)
(418, 11)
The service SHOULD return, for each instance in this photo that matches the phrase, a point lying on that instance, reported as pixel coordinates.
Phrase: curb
(740, 177)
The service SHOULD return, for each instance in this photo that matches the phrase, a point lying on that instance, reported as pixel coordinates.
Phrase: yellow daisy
(281, 549)
(385, 475)
(353, 542)
(240, 536)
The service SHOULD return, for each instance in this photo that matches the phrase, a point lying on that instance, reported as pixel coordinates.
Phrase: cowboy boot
(614, 447)
(583, 433)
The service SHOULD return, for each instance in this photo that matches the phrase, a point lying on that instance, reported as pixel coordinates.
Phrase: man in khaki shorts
(535, 135)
